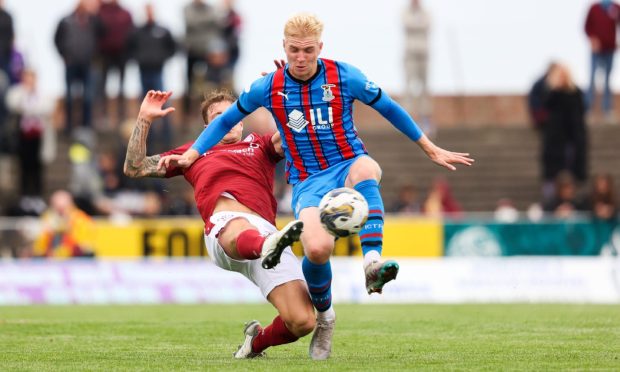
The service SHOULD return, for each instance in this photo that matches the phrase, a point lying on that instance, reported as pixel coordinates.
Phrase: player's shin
(274, 334)
(319, 279)
(371, 235)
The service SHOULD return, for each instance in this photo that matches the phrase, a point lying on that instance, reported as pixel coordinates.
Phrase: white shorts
(287, 270)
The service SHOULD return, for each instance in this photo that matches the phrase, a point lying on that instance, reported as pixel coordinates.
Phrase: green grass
(388, 337)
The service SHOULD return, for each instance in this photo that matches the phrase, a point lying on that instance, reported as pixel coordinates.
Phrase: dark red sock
(274, 334)
(250, 244)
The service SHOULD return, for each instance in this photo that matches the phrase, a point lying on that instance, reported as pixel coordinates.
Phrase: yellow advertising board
(403, 237)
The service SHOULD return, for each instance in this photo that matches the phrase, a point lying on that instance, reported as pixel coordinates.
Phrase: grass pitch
(368, 337)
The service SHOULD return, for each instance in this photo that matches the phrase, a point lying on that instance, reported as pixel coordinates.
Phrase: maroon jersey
(244, 169)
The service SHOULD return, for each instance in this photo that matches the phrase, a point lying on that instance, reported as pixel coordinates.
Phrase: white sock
(327, 315)
(371, 256)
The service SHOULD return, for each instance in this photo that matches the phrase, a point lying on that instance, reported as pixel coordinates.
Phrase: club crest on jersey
(328, 95)
(296, 121)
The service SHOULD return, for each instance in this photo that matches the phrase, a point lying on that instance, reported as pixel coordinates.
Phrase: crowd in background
(97, 40)
(100, 36)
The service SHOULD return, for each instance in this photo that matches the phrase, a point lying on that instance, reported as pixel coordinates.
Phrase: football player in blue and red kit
(311, 100)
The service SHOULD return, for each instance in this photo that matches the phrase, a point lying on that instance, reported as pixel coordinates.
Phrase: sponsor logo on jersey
(296, 121)
(328, 95)
(248, 151)
(318, 120)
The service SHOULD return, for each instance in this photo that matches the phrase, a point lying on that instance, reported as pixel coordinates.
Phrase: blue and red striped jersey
(314, 117)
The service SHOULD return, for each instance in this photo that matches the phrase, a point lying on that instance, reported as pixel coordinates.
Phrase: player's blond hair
(216, 96)
(303, 25)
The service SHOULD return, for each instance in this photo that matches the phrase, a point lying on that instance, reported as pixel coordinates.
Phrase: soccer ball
(343, 211)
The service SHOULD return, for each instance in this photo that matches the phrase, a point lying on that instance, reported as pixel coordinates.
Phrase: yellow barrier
(408, 237)
(157, 237)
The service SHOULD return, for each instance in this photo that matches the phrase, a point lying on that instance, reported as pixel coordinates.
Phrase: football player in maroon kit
(233, 188)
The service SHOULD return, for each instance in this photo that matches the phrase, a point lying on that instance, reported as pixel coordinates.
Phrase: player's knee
(318, 251)
(301, 324)
(366, 172)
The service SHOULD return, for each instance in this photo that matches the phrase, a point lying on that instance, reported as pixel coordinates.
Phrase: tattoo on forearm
(137, 164)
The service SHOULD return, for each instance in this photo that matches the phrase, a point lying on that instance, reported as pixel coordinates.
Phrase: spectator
(440, 200)
(117, 26)
(151, 46)
(564, 136)
(76, 40)
(202, 32)
(601, 23)
(407, 202)
(67, 231)
(505, 211)
(417, 99)
(183, 206)
(110, 174)
(603, 207)
(9, 128)
(536, 100)
(230, 32)
(17, 65)
(6, 38)
(6, 43)
(565, 202)
(84, 181)
(603, 203)
(36, 136)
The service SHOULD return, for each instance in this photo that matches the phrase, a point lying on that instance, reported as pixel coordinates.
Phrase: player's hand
(152, 105)
(280, 63)
(447, 158)
(184, 161)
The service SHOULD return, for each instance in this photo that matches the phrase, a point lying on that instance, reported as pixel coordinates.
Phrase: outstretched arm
(137, 164)
(397, 115)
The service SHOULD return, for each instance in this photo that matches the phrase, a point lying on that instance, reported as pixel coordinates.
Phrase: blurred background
(528, 88)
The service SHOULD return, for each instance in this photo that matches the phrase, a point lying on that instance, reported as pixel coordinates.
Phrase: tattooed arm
(137, 164)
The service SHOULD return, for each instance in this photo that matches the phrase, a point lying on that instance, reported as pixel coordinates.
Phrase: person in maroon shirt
(600, 27)
(117, 26)
(233, 188)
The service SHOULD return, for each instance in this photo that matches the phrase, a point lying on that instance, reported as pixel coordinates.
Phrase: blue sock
(319, 279)
(371, 235)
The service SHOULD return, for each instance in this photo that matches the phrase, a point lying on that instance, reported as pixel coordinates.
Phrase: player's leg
(318, 246)
(242, 240)
(285, 288)
(364, 176)
(295, 318)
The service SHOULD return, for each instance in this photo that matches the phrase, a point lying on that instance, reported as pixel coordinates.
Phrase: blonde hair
(303, 25)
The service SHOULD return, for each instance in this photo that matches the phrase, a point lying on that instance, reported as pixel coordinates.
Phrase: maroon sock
(250, 244)
(274, 334)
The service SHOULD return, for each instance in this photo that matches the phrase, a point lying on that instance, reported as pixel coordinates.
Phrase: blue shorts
(310, 191)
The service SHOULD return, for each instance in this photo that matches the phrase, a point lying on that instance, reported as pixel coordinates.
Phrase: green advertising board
(578, 237)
